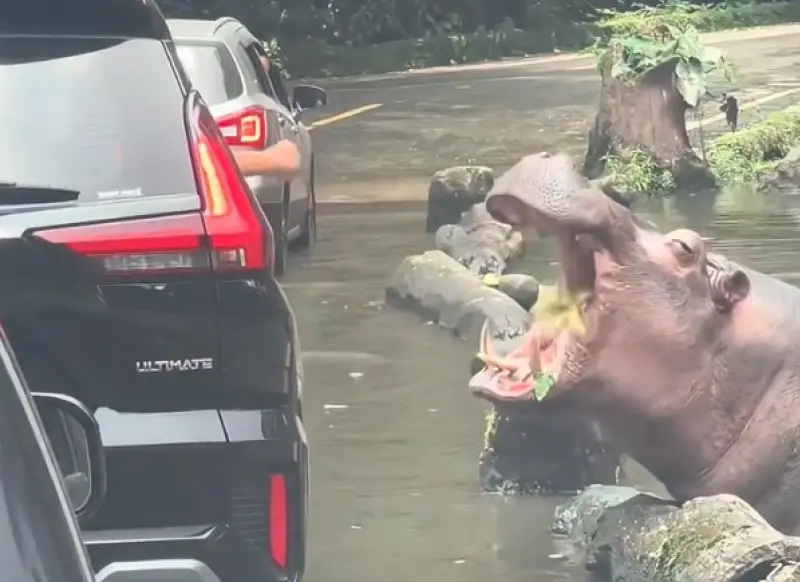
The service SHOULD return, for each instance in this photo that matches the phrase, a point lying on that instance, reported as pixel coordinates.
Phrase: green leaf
(542, 385)
(712, 57)
(691, 81)
(621, 70)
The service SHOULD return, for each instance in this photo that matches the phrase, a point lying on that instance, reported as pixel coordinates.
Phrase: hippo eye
(684, 246)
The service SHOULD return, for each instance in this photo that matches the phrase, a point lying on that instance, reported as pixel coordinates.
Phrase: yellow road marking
(346, 115)
(746, 105)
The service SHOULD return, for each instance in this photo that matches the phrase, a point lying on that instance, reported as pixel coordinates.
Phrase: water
(395, 434)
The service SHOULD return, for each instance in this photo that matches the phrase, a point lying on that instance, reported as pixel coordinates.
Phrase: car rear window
(101, 116)
(211, 70)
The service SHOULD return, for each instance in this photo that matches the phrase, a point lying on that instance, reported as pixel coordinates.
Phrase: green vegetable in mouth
(542, 384)
(557, 310)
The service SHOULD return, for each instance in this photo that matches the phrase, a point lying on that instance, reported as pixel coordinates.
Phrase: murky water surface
(395, 435)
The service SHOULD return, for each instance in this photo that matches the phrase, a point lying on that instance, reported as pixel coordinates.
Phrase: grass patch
(635, 172)
(736, 159)
(744, 156)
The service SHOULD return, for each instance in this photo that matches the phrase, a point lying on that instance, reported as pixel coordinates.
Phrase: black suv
(149, 291)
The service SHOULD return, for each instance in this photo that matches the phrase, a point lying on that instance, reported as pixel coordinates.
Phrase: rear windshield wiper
(18, 194)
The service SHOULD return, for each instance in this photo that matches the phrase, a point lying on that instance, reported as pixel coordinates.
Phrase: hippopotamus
(688, 362)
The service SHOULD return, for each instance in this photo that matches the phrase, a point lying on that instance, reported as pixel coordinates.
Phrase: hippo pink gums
(689, 363)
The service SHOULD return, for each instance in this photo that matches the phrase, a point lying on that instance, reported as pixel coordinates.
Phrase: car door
(289, 129)
(303, 137)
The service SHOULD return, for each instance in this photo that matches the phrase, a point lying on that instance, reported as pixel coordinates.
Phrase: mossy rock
(714, 539)
(744, 156)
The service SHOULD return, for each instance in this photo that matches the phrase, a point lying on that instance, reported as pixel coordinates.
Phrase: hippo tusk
(501, 363)
(485, 344)
(489, 356)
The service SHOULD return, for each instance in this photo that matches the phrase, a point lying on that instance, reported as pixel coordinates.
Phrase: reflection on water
(395, 435)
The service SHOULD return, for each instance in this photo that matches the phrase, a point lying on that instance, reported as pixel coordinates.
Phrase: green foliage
(635, 172)
(654, 21)
(346, 37)
(635, 43)
(650, 21)
(276, 56)
(743, 156)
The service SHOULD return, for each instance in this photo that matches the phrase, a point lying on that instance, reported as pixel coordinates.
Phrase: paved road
(494, 113)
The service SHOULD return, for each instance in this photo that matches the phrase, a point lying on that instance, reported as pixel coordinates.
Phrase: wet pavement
(395, 435)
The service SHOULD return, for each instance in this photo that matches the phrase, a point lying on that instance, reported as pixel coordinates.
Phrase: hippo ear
(731, 288)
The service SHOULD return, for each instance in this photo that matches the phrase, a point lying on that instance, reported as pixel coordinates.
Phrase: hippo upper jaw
(547, 193)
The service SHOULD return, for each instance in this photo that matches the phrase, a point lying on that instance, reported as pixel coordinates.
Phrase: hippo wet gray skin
(689, 362)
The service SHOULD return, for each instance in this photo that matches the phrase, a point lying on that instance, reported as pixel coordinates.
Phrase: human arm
(282, 159)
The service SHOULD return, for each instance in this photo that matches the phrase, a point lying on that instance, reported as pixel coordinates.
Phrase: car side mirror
(308, 97)
(77, 446)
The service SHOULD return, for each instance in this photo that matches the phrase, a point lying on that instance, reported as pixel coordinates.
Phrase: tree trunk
(648, 114)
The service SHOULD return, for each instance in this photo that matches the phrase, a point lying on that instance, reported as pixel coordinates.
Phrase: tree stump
(646, 114)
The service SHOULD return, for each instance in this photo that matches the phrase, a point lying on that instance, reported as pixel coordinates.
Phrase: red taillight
(278, 520)
(230, 234)
(162, 245)
(237, 231)
(246, 128)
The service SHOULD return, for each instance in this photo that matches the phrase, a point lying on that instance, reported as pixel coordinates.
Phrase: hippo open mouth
(548, 354)
(546, 193)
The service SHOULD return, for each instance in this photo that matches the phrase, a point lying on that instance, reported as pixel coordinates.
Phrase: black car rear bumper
(246, 495)
(182, 570)
(214, 546)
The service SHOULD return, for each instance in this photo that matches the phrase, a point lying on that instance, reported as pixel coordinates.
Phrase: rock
(577, 519)
(443, 290)
(782, 573)
(481, 244)
(455, 190)
(448, 237)
(793, 155)
(645, 538)
(785, 176)
(533, 450)
(524, 289)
